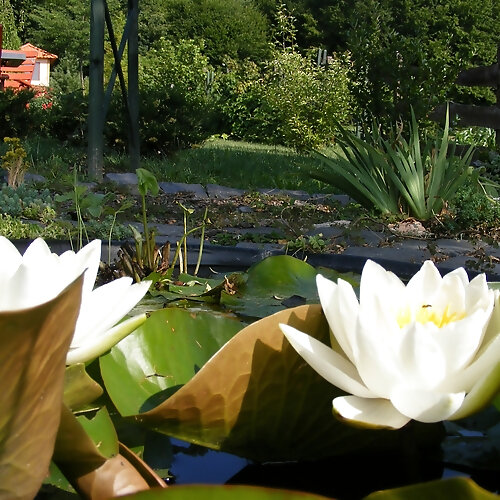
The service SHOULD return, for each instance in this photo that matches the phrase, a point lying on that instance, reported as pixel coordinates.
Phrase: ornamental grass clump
(398, 175)
(425, 351)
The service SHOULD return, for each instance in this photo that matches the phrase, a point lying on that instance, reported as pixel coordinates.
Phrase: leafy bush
(291, 102)
(175, 104)
(14, 110)
(471, 208)
(13, 161)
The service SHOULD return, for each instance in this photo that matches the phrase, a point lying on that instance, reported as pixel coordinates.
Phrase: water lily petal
(481, 394)
(376, 351)
(421, 362)
(424, 283)
(449, 297)
(340, 305)
(426, 406)
(460, 340)
(87, 258)
(376, 282)
(96, 346)
(378, 413)
(25, 287)
(465, 379)
(478, 293)
(11, 258)
(330, 365)
(105, 306)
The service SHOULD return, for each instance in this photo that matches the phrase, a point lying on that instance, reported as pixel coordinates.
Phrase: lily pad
(101, 430)
(79, 388)
(32, 362)
(270, 283)
(161, 355)
(457, 488)
(257, 398)
(203, 492)
(92, 474)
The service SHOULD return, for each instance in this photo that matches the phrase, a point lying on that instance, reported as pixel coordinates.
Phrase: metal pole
(133, 83)
(1, 41)
(96, 91)
(497, 92)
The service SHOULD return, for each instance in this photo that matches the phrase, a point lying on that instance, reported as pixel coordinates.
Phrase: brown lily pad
(32, 364)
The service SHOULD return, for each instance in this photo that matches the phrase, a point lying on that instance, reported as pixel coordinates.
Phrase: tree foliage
(291, 101)
(10, 38)
(404, 52)
(228, 28)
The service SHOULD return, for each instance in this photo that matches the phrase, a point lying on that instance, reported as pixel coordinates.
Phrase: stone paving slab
(197, 190)
(127, 181)
(223, 192)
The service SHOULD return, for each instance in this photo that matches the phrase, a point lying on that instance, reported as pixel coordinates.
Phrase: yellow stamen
(426, 314)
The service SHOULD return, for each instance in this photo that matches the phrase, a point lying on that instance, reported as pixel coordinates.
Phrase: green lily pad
(203, 492)
(32, 363)
(457, 488)
(101, 430)
(270, 283)
(161, 355)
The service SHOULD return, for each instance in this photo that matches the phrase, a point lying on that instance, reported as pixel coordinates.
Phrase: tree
(404, 52)
(228, 28)
(10, 38)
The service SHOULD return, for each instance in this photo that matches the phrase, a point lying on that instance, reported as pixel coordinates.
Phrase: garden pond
(207, 391)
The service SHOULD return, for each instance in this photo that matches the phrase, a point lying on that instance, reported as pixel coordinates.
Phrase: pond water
(470, 450)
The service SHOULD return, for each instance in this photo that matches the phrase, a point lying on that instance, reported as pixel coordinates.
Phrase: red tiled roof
(31, 51)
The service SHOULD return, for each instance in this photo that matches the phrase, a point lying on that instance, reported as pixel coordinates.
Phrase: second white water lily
(39, 275)
(427, 351)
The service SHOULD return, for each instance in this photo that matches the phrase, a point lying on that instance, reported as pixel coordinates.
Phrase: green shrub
(175, 104)
(15, 113)
(472, 209)
(293, 102)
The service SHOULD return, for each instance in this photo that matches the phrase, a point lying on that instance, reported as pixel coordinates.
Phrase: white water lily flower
(39, 275)
(427, 351)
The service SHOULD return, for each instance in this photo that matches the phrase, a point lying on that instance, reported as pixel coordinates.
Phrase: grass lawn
(217, 161)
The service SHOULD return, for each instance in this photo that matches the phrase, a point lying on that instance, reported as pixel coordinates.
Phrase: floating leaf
(79, 388)
(101, 430)
(161, 355)
(93, 475)
(257, 398)
(269, 283)
(457, 488)
(32, 362)
(202, 492)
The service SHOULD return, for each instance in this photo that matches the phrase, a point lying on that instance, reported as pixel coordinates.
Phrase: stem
(202, 241)
(146, 230)
(185, 241)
